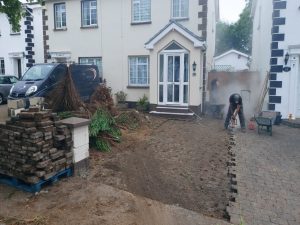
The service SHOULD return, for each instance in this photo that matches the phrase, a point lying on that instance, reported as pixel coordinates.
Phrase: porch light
(194, 66)
(286, 58)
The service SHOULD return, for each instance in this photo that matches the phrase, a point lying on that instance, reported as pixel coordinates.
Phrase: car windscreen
(37, 72)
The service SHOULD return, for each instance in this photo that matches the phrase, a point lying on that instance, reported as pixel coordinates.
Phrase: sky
(231, 9)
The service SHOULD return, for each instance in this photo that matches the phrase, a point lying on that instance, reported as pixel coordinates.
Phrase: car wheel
(1, 99)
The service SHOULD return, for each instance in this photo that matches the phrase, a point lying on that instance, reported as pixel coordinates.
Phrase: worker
(235, 103)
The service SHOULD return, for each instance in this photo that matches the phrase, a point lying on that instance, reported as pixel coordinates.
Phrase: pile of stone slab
(33, 147)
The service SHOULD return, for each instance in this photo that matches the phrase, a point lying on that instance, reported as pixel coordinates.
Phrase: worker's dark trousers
(230, 113)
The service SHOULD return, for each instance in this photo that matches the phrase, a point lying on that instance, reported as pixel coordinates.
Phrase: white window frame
(90, 8)
(136, 69)
(2, 66)
(140, 11)
(181, 11)
(62, 13)
(92, 61)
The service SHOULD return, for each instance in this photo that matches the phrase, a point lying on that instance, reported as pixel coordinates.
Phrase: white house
(276, 49)
(19, 50)
(231, 61)
(150, 47)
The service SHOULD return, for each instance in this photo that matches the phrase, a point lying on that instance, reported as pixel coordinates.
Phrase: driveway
(268, 177)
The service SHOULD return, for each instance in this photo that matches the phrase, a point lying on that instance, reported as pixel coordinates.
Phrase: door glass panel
(170, 68)
(176, 93)
(185, 93)
(161, 68)
(186, 68)
(177, 68)
(161, 93)
(170, 92)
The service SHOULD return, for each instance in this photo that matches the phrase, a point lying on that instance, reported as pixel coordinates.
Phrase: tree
(237, 35)
(14, 11)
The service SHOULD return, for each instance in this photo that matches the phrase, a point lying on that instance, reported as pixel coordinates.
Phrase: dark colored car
(6, 82)
(40, 79)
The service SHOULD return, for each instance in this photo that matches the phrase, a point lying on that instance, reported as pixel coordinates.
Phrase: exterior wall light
(194, 66)
(286, 58)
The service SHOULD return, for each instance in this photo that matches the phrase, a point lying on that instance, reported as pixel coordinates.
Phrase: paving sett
(268, 177)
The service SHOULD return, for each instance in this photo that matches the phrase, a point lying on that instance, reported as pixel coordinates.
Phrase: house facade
(161, 49)
(20, 50)
(276, 50)
(231, 61)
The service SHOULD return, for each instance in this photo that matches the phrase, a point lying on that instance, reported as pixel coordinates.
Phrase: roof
(232, 51)
(174, 25)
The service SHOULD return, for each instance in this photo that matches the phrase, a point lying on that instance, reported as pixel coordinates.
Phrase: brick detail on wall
(202, 16)
(45, 36)
(29, 38)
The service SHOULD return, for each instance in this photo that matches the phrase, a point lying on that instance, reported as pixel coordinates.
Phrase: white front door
(174, 78)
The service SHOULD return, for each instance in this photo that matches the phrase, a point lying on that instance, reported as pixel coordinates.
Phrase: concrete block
(80, 153)
(36, 101)
(15, 104)
(15, 112)
(80, 136)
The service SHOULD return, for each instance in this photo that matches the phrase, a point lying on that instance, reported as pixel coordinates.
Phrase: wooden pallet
(33, 188)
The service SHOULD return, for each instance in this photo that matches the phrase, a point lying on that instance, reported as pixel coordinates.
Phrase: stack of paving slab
(33, 148)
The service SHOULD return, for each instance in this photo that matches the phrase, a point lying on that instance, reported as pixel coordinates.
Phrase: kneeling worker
(235, 107)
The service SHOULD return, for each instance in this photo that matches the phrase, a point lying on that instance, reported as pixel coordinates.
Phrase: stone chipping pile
(34, 146)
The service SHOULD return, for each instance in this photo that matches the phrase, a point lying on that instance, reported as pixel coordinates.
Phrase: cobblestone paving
(268, 177)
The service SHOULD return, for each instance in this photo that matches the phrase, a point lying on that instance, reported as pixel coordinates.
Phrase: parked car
(40, 79)
(6, 82)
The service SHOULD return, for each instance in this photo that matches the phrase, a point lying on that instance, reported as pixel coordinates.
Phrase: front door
(173, 81)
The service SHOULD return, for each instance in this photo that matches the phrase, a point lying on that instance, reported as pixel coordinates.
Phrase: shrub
(143, 103)
(121, 96)
(103, 131)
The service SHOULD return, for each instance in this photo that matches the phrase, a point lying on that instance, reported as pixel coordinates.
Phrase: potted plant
(121, 99)
(143, 104)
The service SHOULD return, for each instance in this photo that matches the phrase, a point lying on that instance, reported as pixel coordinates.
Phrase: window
(141, 11)
(89, 13)
(180, 9)
(60, 16)
(93, 61)
(2, 66)
(139, 71)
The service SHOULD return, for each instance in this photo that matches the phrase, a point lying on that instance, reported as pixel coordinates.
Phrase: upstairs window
(180, 9)
(60, 16)
(141, 11)
(89, 13)
(139, 71)
(2, 67)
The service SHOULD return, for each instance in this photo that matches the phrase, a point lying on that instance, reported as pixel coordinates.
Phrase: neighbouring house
(161, 49)
(276, 51)
(231, 61)
(20, 50)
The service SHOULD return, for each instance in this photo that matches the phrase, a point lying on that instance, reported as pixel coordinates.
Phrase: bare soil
(175, 162)
(167, 172)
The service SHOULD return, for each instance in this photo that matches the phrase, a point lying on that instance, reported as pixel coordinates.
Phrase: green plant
(103, 131)
(121, 96)
(143, 103)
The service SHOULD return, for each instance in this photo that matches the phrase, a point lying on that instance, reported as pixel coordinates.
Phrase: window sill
(140, 23)
(15, 34)
(181, 19)
(138, 87)
(89, 27)
(58, 29)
